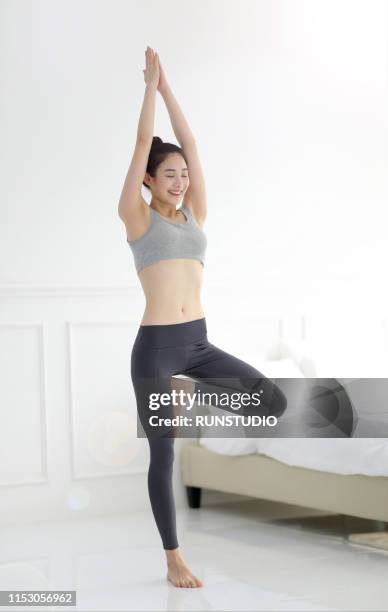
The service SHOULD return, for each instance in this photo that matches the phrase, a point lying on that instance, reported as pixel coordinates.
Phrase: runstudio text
(211, 420)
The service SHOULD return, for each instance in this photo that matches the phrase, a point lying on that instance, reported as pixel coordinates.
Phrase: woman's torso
(172, 287)
(172, 290)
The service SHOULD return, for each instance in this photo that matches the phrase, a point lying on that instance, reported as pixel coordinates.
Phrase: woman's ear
(147, 179)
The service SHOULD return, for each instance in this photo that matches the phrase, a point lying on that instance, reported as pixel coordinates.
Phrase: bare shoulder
(137, 220)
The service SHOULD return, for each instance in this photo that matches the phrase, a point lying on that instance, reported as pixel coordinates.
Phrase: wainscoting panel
(23, 430)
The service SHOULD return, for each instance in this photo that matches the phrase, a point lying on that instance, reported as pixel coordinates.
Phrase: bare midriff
(172, 288)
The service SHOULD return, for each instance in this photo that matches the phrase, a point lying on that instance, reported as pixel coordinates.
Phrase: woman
(169, 247)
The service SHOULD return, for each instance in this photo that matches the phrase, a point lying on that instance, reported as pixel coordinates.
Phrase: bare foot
(178, 573)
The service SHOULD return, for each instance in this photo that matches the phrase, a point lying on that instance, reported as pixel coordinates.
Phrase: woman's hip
(171, 335)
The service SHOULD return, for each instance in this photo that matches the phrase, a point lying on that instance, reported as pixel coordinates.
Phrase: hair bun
(156, 141)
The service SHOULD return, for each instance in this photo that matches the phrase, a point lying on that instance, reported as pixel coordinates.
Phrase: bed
(343, 476)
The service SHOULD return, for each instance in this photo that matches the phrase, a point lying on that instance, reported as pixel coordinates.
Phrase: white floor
(247, 559)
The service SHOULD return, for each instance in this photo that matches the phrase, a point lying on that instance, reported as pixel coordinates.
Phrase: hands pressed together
(153, 72)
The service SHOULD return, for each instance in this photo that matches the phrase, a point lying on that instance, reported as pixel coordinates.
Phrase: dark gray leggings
(162, 351)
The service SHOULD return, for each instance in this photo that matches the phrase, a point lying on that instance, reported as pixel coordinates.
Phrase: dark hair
(158, 153)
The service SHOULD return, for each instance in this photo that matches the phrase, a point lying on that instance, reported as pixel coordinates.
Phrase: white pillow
(281, 368)
(302, 353)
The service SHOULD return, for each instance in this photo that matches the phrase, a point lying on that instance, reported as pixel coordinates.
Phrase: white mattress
(367, 456)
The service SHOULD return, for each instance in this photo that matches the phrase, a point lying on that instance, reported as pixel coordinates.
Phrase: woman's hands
(154, 73)
(162, 78)
(151, 72)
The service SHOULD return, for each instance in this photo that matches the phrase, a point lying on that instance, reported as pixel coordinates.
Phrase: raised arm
(195, 196)
(131, 204)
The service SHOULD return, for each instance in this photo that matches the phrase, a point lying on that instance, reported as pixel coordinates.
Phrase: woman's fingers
(151, 73)
(150, 53)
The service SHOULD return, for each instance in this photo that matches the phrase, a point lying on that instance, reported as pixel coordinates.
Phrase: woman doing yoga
(169, 246)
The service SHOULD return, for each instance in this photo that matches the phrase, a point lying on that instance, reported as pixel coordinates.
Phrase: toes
(185, 583)
(194, 582)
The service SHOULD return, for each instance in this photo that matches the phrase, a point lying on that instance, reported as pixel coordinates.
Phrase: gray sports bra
(169, 240)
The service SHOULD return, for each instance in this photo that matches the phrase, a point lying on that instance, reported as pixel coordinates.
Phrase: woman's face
(172, 175)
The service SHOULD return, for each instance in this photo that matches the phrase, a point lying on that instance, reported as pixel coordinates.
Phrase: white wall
(288, 103)
(286, 99)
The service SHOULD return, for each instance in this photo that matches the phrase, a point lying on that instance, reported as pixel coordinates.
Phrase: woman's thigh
(219, 371)
(152, 370)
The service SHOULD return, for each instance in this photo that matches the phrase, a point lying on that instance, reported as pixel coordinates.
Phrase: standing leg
(160, 487)
(150, 378)
(151, 370)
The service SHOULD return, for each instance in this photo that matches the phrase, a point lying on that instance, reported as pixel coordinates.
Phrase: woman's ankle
(174, 555)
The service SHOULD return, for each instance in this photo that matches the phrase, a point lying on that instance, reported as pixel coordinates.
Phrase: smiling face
(172, 175)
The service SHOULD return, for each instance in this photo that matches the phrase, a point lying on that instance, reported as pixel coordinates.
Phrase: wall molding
(71, 326)
(40, 327)
(63, 291)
